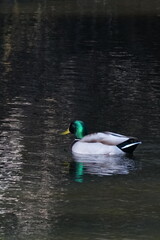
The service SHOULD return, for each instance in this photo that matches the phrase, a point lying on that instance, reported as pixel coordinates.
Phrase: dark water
(92, 60)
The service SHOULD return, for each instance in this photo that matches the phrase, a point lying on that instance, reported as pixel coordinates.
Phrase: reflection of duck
(102, 165)
(100, 143)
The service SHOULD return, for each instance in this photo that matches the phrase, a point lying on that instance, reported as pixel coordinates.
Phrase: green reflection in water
(79, 172)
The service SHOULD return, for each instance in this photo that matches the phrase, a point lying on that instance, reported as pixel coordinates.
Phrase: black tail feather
(129, 146)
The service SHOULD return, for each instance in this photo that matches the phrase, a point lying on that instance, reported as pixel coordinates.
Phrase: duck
(108, 143)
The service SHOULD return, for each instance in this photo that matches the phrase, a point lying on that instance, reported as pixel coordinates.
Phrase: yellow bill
(65, 132)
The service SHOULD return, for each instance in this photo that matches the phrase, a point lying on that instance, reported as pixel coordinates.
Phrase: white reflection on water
(11, 148)
(102, 165)
(30, 181)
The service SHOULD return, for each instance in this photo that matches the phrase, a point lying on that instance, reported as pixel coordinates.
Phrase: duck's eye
(72, 128)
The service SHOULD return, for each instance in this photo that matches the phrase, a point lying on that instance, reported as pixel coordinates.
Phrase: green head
(78, 128)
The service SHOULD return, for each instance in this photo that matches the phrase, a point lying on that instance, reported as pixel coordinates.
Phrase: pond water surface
(97, 61)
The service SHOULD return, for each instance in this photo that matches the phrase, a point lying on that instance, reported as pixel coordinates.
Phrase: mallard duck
(101, 142)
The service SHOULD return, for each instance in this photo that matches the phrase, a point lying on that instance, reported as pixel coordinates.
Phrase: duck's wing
(124, 143)
(106, 138)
